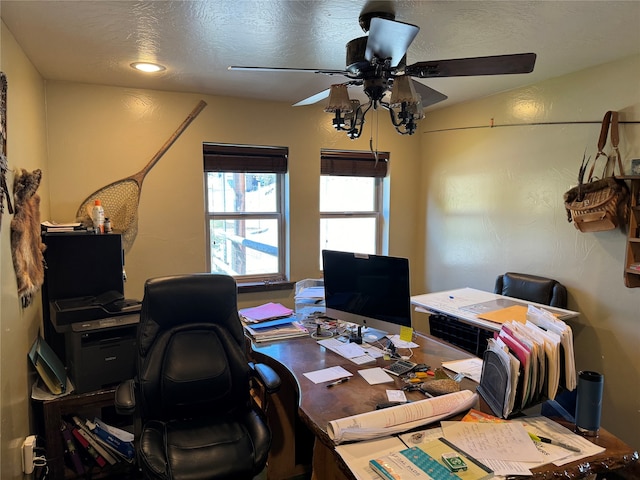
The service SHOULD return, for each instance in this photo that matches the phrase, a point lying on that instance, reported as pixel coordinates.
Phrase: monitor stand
(356, 337)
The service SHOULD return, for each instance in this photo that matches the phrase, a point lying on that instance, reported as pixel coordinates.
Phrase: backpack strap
(615, 139)
(610, 118)
(602, 141)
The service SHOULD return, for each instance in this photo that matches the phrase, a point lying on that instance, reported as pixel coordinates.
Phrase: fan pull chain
(374, 152)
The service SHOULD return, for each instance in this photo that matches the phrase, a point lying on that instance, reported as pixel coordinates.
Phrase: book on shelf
(635, 267)
(411, 463)
(70, 448)
(86, 446)
(93, 441)
(114, 438)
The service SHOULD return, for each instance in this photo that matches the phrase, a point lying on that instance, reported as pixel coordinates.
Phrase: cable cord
(40, 462)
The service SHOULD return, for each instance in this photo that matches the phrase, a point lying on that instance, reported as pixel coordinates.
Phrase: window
(244, 211)
(351, 200)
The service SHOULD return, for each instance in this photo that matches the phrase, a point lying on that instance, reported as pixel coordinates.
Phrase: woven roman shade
(353, 164)
(244, 158)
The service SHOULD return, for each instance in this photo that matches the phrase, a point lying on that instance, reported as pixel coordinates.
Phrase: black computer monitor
(369, 290)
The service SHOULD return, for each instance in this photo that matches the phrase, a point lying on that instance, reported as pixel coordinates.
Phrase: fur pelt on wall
(26, 241)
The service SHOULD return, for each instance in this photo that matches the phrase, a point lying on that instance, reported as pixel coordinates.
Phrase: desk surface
(318, 404)
(466, 303)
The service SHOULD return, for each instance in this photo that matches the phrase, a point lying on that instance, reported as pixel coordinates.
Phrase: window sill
(251, 287)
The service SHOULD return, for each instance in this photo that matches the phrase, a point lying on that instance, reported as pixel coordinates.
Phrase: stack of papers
(268, 311)
(275, 330)
(52, 227)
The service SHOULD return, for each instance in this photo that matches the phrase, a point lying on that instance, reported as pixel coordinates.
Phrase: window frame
(358, 164)
(249, 159)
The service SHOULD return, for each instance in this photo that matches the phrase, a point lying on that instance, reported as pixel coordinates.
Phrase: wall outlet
(27, 454)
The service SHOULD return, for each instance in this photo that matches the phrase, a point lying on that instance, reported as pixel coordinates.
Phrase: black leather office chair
(532, 288)
(193, 413)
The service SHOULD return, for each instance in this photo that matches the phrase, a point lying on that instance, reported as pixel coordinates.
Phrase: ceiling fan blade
(428, 95)
(313, 98)
(287, 70)
(389, 39)
(463, 67)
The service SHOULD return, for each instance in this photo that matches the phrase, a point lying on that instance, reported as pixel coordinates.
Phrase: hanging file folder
(48, 366)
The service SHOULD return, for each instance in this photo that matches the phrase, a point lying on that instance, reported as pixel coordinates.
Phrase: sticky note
(406, 334)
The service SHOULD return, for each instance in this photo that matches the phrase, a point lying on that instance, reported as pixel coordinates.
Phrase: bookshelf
(77, 404)
(632, 256)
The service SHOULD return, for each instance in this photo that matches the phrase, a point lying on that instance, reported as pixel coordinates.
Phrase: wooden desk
(317, 404)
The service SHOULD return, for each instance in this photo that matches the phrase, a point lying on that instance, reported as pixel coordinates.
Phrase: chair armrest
(267, 376)
(125, 401)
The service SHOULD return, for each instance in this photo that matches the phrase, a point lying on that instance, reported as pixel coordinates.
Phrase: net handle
(138, 177)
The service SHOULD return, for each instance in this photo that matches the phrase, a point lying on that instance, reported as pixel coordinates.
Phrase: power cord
(40, 462)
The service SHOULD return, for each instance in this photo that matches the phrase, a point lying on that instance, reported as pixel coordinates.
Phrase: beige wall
(26, 148)
(101, 134)
(491, 201)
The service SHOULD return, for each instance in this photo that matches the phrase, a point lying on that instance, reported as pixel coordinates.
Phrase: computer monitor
(369, 290)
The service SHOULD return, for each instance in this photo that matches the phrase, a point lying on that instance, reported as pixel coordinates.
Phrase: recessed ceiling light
(148, 67)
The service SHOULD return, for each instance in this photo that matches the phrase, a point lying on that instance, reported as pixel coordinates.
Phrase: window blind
(244, 158)
(353, 163)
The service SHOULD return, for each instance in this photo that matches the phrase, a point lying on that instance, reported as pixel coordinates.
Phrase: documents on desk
(506, 447)
(527, 363)
(400, 418)
(506, 452)
(375, 376)
(469, 367)
(358, 354)
(328, 374)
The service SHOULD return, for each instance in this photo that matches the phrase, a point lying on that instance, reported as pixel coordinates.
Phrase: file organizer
(496, 380)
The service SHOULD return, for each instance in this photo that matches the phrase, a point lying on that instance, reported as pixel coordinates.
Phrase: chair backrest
(191, 359)
(532, 288)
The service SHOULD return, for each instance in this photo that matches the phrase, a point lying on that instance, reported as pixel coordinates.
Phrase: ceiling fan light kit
(377, 63)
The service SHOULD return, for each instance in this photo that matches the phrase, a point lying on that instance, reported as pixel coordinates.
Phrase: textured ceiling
(95, 41)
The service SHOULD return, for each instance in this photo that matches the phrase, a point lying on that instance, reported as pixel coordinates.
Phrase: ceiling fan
(377, 63)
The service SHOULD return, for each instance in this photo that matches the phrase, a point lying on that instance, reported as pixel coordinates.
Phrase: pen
(554, 442)
(338, 382)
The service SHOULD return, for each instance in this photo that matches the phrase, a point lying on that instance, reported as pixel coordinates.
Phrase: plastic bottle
(97, 215)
